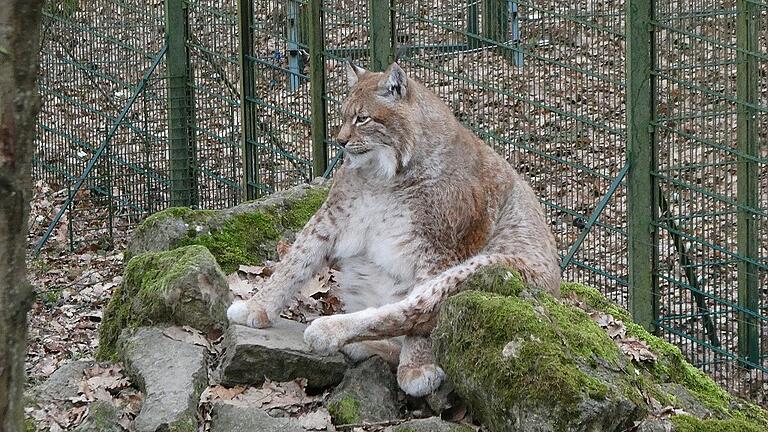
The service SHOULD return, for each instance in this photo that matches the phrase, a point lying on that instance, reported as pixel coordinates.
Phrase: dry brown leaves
(634, 348)
(71, 289)
(104, 383)
(318, 297)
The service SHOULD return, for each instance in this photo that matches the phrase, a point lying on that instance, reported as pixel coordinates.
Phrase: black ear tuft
(354, 72)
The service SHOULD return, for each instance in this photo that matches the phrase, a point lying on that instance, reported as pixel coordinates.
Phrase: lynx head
(378, 120)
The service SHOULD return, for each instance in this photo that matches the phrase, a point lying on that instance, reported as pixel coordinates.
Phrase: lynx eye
(361, 120)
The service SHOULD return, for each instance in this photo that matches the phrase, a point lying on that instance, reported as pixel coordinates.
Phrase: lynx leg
(417, 374)
(388, 349)
(307, 256)
(414, 315)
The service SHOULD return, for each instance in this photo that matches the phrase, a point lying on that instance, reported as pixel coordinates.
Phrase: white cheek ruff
(380, 162)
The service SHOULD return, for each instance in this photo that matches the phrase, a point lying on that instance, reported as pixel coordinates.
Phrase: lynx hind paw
(419, 381)
(243, 313)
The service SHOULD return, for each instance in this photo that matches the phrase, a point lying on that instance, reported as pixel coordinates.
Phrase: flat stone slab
(277, 353)
(172, 375)
(432, 424)
(228, 417)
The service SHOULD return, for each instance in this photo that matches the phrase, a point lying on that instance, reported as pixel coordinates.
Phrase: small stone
(277, 353)
(102, 416)
(444, 398)
(431, 424)
(228, 417)
(171, 373)
(656, 425)
(63, 383)
(368, 393)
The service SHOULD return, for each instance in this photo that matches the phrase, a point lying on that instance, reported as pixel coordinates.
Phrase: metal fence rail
(642, 125)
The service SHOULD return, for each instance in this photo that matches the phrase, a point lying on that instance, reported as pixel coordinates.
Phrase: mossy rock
(244, 234)
(524, 360)
(677, 382)
(368, 393)
(184, 286)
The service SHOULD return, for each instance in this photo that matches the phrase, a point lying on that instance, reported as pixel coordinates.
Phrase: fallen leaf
(187, 334)
(218, 392)
(636, 349)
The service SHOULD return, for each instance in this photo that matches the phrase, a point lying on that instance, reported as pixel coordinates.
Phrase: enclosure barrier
(641, 124)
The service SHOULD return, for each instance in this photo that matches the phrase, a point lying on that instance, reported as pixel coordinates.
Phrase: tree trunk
(19, 105)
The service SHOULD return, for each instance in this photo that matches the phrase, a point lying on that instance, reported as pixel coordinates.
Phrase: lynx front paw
(325, 335)
(248, 314)
(420, 380)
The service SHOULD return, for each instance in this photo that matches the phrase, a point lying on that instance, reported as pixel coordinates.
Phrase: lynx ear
(353, 73)
(395, 81)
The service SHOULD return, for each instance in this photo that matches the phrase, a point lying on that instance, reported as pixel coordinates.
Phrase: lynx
(419, 204)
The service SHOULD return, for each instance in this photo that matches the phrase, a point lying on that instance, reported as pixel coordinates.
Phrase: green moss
(145, 283)
(300, 212)
(345, 411)
(685, 423)
(29, 425)
(671, 366)
(184, 213)
(188, 424)
(51, 297)
(246, 238)
(542, 372)
(250, 237)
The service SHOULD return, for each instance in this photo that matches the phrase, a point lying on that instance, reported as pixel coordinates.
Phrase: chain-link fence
(642, 126)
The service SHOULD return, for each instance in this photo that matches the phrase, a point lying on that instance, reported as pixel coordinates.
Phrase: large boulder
(244, 234)
(525, 361)
(184, 286)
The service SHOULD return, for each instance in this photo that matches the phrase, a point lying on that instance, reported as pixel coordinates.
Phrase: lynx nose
(342, 141)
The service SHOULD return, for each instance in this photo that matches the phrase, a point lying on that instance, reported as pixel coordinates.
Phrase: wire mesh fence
(711, 174)
(545, 83)
(94, 64)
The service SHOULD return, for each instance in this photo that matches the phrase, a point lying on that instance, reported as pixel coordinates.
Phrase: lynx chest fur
(375, 250)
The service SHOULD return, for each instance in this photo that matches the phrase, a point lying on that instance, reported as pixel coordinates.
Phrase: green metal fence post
(180, 140)
(247, 92)
(472, 22)
(317, 88)
(747, 191)
(496, 20)
(380, 33)
(643, 301)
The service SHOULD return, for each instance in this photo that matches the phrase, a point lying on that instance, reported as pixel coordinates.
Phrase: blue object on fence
(293, 46)
(515, 36)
